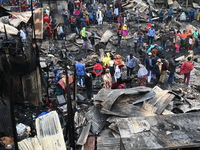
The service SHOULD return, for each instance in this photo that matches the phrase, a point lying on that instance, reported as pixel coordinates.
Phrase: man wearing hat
(158, 70)
(149, 66)
(170, 14)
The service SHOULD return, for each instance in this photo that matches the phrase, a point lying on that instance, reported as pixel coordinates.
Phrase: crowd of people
(147, 61)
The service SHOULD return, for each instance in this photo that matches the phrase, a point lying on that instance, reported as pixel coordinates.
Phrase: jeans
(151, 38)
(81, 80)
(150, 17)
(171, 77)
(169, 18)
(66, 21)
(164, 45)
(160, 19)
(136, 19)
(196, 51)
(89, 92)
(191, 18)
(71, 11)
(140, 41)
(77, 31)
(135, 47)
(110, 20)
(129, 71)
(119, 40)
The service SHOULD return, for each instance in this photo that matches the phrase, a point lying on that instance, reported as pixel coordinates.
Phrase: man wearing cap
(158, 70)
(170, 14)
(47, 11)
(172, 68)
(161, 15)
(149, 66)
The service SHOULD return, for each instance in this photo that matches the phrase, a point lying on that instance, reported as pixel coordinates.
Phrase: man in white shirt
(23, 37)
(136, 16)
(135, 40)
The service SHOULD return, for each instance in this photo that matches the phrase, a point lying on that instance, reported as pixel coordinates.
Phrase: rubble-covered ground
(164, 117)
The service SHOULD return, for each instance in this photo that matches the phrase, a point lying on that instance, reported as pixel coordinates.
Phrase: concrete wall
(57, 6)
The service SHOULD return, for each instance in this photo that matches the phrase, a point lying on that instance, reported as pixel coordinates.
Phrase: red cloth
(121, 86)
(186, 67)
(49, 32)
(46, 19)
(97, 69)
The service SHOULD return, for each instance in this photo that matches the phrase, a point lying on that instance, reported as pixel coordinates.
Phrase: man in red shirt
(46, 19)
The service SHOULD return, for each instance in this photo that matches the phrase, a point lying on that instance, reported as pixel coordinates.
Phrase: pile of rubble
(139, 118)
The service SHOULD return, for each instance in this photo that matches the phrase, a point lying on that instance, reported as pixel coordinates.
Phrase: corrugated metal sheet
(108, 143)
(165, 131)
(49, 134)
(96, 119)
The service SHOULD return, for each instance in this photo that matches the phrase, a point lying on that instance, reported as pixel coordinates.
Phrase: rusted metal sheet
(84, 134)
(159, 102)
(38, 22)
(90, 144)
(102, 95)
(123, 109)
(24, 16)
(108, 143)
(112, 96)
(147, 96)
(32, 87)
(9, 29)
(165, 132)
(96, 119)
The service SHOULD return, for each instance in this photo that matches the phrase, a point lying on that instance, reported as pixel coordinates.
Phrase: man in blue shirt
(191, 14)
(130, 64)
(161, 15)
(94, 14)
(80, 71)
(170, 14)
(110, 15)
(151, 34)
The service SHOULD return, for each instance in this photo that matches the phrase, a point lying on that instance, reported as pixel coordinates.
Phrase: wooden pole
(71, 126)
(187, 4)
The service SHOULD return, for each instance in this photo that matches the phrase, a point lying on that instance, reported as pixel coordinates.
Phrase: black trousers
(89, 92)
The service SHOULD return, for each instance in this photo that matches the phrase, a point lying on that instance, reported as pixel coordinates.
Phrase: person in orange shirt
(183, 38)
(189, 34)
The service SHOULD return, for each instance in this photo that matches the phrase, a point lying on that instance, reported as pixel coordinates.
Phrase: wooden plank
(90, 143)
(84, 134)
